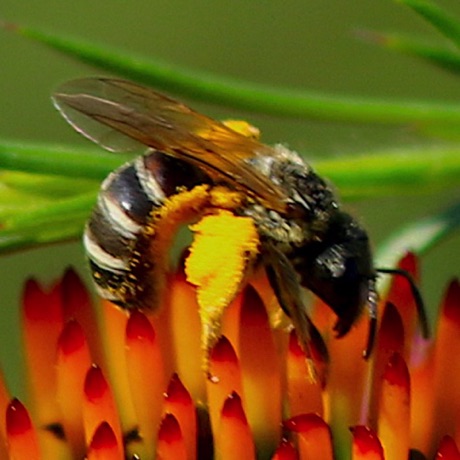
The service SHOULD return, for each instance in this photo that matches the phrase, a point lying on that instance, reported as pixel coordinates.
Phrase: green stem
(393, 172)
(356, 176)
(58, 160)
(246, 95)
(437, 17)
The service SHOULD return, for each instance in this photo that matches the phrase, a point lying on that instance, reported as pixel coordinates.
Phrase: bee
(306, 239)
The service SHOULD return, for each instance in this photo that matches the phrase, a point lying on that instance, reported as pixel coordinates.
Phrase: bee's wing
(120, 115)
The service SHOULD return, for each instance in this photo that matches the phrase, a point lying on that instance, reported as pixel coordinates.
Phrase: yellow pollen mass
(243, 127)
(222, 248)
(222, 197)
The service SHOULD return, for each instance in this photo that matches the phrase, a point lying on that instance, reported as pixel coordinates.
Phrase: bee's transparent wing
(121, 115)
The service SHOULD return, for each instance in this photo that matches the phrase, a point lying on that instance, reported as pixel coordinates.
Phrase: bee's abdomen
(115, 238)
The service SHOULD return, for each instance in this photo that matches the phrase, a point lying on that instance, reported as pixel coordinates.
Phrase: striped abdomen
(115, 236)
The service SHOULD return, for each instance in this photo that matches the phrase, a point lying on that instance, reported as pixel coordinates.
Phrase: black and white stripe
(115, 239)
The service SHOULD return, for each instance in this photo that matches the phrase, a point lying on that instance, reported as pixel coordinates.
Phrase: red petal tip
(71, 276)
(169, 429)
(75, 297)
(285, 451)
(223, 352)
(409, 262)
(17, 418)
(253, 310)
(177, 392)
(448, 450)
(452, 301)
(305, 422)
(391, 337)
(73, 286)
(103, 438)
(233, 408)
(396, 371)
(95, 384)
(139, 328)
(40, 305)
(72, 338)
(366, 440)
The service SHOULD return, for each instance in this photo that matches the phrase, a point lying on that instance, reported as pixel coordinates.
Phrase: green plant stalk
(44, 187)
(59, 160)
(437, 17)
(50, 223)
(245, 95)
(55, 232)
(442, 56)
(414, 170)
(356, 176)
(53, 212)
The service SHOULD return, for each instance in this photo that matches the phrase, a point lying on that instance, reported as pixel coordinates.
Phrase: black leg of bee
(370, 337)
(372, 305)
(284, 282)
(419, 304)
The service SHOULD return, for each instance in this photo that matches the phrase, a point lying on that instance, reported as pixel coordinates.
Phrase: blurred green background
(296, 43)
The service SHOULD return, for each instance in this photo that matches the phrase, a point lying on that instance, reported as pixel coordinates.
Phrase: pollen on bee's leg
(261, 370)
(243, 127)
(146, 377)
(104, 444)
(178, 402)
(223, 248)
(313, 435)
(234, 438)
(73, 361)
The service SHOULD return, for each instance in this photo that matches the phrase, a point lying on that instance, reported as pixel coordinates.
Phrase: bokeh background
(310, 44)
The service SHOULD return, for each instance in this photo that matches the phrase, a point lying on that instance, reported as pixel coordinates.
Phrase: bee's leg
(284, 282)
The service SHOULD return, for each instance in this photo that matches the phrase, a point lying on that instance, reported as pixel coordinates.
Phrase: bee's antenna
(419, 304)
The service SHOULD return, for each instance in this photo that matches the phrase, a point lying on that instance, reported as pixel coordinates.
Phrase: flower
(132, 385)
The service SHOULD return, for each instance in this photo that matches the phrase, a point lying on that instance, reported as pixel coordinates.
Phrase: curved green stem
(246, 95)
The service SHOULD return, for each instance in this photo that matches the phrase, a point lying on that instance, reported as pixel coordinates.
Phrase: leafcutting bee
(307, 240)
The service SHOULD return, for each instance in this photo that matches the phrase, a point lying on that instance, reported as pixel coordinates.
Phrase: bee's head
(338, 268)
